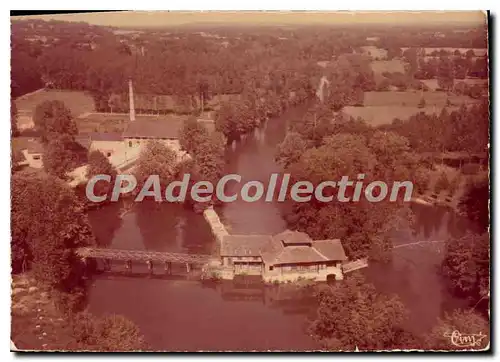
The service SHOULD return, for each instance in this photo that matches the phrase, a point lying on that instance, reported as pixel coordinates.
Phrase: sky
(162, 18)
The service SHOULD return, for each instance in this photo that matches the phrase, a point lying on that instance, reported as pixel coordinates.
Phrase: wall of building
(232, 266)
(281, 275)
(34, 160)
(108, 148)
(131, 142)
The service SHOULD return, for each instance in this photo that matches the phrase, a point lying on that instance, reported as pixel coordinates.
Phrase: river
(175, 313)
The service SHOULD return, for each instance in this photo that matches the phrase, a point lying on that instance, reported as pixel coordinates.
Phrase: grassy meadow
(77, 102)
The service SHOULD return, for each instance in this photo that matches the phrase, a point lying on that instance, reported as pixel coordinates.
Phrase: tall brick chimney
(131, 100)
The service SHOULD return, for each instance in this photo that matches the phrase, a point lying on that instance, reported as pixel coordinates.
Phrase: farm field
(77, 102)
(412, 98)
(380, 115)
(394, 65)
(433, 83)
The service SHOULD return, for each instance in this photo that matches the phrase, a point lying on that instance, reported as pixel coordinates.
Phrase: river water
(175, 313)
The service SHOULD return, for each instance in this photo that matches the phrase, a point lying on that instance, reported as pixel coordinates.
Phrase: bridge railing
(142, 255)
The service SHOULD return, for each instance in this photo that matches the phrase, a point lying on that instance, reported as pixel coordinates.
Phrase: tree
(469, 54)
(315, 125)
(192, 135)
(235, 118)
(340, 155)
(466, 324)
(114, 102)
(156, 159)
(479, 68)
(421, 178)
(393, 52)
(108, 333)
(394, 159)
(209, 159)
(291, 149)
(352, 314)
(475, 202)
(14, 131)
(442, 183)
(422, 103)
(98, 164)
(466, 265)
(53, 118)
(411, 56)
(59, 157)
(445, 74)
(48, 223)
(348, 77)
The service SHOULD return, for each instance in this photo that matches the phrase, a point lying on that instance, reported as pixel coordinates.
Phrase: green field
(77, 102)
(412, 98)
(433, 83)
(383, 107)
(380, 115)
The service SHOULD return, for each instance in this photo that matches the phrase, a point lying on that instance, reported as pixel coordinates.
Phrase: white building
(33, 154)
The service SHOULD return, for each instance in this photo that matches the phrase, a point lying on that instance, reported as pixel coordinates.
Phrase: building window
(271, 267)
(108, 154)
(36, 157)
(130, 143)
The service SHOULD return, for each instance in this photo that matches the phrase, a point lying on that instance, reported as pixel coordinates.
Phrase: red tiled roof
(331, 249)
(297, 255)
(288, 247)
(292, 237)
(154, 128)
(244, 245)
(34, 146)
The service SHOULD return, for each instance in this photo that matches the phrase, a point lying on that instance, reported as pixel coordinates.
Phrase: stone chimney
(131, 100)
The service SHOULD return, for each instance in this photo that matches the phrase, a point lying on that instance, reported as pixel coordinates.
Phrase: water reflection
(185, 316)
(149, 225)
(105, 223)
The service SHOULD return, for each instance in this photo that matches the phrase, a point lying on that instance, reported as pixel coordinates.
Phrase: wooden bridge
(148, 257)
(142, 255)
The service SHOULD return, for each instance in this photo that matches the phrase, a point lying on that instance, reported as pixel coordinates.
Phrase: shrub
(442, 183)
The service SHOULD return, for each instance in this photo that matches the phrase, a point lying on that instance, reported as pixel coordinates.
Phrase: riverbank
(36, 322)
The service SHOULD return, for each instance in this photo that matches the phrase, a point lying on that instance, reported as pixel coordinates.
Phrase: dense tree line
(464, 130)
(168, 65)
(48, 224)
(207, 151)
(425, 36)
(353, 315)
